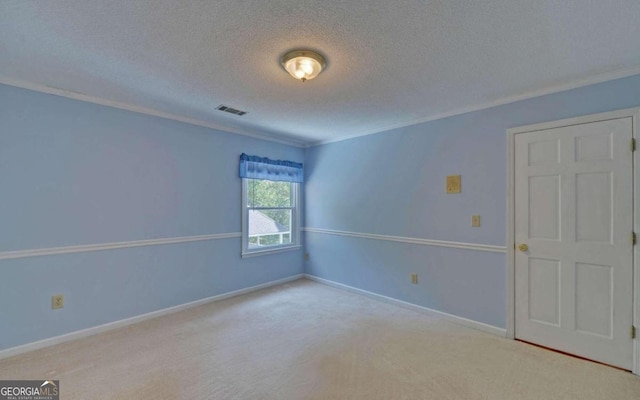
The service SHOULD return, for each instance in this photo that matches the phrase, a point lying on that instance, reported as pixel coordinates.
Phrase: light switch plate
(57, 301)
(475, 221)
(453, 183)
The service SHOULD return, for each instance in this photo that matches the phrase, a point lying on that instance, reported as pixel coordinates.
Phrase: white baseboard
(13, 351)
(469, 323)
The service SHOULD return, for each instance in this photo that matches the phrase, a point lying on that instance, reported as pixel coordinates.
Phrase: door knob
(523, 247)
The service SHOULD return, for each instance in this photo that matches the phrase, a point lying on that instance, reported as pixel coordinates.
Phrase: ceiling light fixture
(303, 64)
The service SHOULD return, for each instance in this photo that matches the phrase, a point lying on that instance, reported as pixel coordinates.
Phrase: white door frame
(634, 113)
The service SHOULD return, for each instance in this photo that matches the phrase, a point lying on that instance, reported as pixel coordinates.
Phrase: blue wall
(76, 173)
(393, 183)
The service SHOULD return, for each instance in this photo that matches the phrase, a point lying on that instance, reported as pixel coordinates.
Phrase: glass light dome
(303, 64)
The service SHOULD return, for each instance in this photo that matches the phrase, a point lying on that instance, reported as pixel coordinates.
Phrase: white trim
(604, 77)
(402, 239)
(7, 255)
(296, 200)
(634, 113)
(245, 217)
(144, 110)
(14, 351)
(271, 250)
(469, 323)
(636, 250)
(298, 213)
(608, 76)
(583, 119)
(510, 228)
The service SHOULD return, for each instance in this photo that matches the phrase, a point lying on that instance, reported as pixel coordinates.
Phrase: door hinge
(633, 332)
(633, 238)
(633, 144)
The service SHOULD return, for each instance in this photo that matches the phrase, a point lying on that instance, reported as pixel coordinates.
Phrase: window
(270, 198)
(270, 209)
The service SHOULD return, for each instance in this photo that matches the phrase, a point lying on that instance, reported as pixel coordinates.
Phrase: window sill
(256, 253)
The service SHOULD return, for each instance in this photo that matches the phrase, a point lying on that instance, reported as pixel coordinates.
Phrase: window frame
(295, 222)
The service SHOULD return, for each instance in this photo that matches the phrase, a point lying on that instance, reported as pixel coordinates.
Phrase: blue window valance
(255, 167)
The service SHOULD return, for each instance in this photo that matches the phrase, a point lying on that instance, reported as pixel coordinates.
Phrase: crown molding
(575, 84)
(36, 87)
(599, 78)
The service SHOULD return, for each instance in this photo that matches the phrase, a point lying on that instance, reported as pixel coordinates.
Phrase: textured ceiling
(390, 63)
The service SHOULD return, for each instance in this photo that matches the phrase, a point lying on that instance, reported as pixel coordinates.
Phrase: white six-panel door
(573, 225)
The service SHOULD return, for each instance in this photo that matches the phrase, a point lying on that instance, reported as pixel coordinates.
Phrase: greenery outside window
(270, 216)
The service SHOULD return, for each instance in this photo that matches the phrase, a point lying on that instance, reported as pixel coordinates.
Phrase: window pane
(269, 228)
(262, 193)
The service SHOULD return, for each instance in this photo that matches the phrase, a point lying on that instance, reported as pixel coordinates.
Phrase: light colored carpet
(308, 341)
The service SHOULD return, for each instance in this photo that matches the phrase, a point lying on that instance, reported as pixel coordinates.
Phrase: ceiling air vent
(228, 109)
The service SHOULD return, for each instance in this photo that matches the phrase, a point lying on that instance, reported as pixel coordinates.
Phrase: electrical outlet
(57, 301)
(475, 221)
(307, 257)
(414, 279)
(454, 184)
